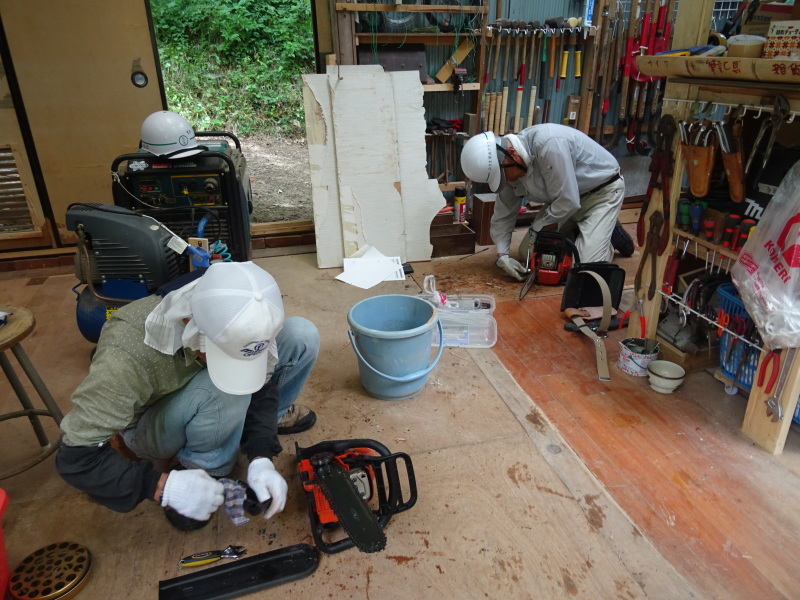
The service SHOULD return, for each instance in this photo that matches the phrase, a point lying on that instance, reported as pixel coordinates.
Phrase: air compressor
(129, 249)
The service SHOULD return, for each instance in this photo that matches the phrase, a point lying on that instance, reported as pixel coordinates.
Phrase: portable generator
(126, 250)
(206, 195)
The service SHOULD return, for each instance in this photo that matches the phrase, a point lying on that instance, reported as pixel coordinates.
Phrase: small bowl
(665, 376)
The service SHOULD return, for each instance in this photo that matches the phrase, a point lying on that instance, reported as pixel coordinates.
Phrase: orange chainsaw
(354, 485)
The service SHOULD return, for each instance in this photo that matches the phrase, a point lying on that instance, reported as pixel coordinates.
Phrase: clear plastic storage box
(466, 319)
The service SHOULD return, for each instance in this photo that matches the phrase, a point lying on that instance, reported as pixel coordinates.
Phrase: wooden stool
(21, 323)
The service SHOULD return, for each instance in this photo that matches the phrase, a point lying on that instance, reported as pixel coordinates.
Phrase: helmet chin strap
(516, 164)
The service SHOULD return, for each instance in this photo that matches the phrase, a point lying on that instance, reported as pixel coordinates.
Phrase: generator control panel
(210, 186)
(171, 190)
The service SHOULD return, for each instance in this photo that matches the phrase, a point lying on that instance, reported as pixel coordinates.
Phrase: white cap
(238, 310)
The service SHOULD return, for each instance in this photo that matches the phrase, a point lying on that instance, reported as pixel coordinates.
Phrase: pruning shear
(204, 558)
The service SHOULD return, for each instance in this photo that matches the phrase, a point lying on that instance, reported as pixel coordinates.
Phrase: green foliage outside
(236, 64)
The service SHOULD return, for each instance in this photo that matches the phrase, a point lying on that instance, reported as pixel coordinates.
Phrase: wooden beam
(451, 186)
(323, 25)
(692, 23)
(345, 36)
(281, 228)
(448, 87)
(757, 425)
(463, 50)
(67, 250)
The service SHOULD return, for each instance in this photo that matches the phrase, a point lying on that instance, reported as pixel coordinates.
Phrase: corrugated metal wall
(448, 105)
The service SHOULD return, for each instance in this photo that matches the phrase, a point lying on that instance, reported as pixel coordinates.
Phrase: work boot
(297, 419)
(182, 523)
(622, 241)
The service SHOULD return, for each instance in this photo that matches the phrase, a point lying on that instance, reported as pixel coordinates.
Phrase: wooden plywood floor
(724, 512)
(506, 509)
(535, 480)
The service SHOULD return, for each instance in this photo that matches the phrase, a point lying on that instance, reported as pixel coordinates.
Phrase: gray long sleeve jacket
(563, 164)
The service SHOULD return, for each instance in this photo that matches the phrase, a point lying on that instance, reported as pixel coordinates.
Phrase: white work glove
(194, 493)
(527, 244)
(511, 266)
(267, 483)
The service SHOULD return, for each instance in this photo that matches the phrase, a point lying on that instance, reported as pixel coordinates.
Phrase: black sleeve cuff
(260, 434)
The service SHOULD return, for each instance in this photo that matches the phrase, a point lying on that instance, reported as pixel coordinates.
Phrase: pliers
(204, 558)
(780, 112)
(773, 360)
(638, 307)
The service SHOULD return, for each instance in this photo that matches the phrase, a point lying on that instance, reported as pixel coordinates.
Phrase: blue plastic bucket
(392, 336)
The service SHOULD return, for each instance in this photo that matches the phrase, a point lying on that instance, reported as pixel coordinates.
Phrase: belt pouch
(734, 169)
(699, 161)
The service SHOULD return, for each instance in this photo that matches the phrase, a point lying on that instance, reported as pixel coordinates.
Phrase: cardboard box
(766, 13)
(783, 40)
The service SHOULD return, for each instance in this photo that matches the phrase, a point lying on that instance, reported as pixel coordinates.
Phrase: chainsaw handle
(411, 376)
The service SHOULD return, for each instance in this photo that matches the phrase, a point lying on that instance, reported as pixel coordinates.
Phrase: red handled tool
(731, 225)
(623, 320)
(772, 363)
(743, 232)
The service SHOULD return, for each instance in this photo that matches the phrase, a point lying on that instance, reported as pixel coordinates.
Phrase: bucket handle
(405, 378)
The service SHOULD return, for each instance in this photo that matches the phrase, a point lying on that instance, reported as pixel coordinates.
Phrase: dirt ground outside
(280, 177)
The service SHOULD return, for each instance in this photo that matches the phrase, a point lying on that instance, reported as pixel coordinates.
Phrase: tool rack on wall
(338, 41)
(684, 95)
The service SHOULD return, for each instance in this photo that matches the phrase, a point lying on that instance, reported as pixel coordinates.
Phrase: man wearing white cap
(211, 369)
(577, 180)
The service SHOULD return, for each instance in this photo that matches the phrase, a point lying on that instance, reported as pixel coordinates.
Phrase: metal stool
(20, 324)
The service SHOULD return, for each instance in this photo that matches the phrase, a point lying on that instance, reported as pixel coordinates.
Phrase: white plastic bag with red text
(767, 273)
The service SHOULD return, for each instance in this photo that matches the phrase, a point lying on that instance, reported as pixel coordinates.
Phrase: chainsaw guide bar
(244, 576)
(355, 517)
(343, 481)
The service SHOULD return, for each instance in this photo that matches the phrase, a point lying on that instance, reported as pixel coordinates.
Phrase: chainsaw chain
(372, 541)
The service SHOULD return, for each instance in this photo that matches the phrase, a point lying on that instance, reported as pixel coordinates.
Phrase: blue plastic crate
(732, 305)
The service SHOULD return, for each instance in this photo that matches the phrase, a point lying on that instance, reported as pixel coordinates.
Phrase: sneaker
(297, 419)
(622, 241)
(182, 523)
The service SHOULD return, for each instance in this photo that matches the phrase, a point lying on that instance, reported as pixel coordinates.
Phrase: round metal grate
(55, 572)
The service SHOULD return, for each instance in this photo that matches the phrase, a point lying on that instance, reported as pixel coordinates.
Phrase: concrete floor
(506, 508)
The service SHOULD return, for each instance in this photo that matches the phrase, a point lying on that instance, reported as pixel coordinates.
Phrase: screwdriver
(696, 212)
(684, 206)
(731, 223)
(708, 228)
(745, 228)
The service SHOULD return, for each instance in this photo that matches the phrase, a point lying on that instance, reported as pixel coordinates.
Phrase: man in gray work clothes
(577, 180)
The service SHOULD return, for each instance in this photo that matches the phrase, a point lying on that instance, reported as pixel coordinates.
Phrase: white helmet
(168, 134)
(479, 160)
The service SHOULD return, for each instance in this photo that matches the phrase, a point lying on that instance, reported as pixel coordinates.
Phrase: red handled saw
(354, 485)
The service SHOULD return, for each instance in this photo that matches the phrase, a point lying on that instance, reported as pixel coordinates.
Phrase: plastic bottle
(460, 205)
